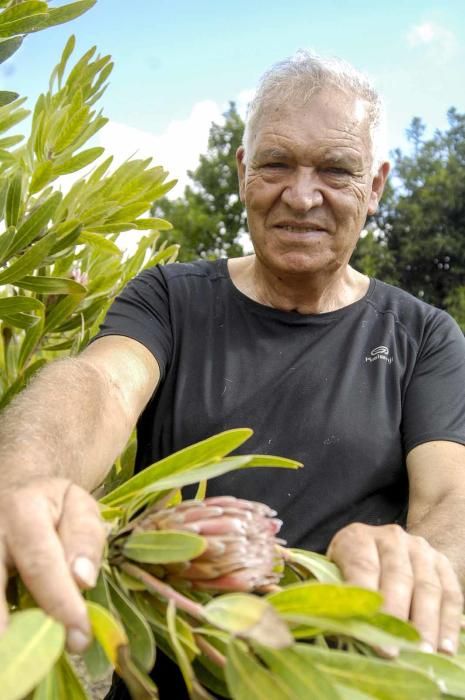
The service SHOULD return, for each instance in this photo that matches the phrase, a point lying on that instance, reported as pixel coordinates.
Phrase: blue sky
(178, 62)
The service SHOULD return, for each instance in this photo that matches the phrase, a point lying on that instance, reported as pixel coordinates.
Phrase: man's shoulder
(206, 269)
(411, 313)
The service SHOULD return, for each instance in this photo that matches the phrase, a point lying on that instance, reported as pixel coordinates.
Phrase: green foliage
(417, 237)
(311, 638)
(209, 218)
(60, 265)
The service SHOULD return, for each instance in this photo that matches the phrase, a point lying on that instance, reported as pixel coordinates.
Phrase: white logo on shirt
(381, 352)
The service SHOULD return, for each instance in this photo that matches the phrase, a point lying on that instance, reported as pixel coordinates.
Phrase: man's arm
(63, 433)
(417, 571)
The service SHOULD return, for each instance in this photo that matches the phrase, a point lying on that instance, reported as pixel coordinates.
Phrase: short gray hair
(303, 74)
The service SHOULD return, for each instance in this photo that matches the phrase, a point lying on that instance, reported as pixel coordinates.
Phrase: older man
(358, 380)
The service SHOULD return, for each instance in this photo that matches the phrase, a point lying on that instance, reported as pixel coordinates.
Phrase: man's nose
(302, 191)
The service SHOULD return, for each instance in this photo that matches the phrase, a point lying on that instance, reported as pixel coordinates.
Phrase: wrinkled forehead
(327, 110)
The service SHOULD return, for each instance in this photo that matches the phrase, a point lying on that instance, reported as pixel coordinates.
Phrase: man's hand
(418, 582)
(52, 535)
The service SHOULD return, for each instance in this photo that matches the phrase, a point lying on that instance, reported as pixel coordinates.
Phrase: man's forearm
(66, 423)
(443, 526)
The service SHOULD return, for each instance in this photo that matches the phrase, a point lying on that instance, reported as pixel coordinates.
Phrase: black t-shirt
(348, 392)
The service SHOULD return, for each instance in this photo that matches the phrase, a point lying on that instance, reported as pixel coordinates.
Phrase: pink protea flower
(241, 554)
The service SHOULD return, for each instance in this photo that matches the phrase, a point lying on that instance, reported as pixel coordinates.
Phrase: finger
(396, 578)
(427, 593)
(355, 552)
(451, 607)
(82, 535)
(39, 558)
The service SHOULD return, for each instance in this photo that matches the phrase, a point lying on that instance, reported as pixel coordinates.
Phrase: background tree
(209, 218)
(421, 220)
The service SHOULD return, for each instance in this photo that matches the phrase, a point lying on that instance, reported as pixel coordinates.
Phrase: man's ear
(240, 163)
(377, 187)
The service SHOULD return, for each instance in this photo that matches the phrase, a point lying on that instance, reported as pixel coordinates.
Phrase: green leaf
(75, 163)
(272, 461)
(10, 119)
(67, 51)
(51, 285)
(317, 565)
(6, 239)
(181, 657)
(27, 262)
(304, 680)
(73, 128)
(95, 659)
(62, 681)
(381, 679)
(107, 630)
(449, 675)
(41, 176)
(28, 649)
(23, 18)
(6, 97)
(65, 13)
(212, 448)
(10, 305)
(141, 642)
(9, 141)
(327, 600)
(13, 199)
(99, 242)
(363, 630)
(151, 223)
(61, 311)
(249, 680)
(30, 341)
(250, 617)
(35, 223)
(9, 46)
(163, 547)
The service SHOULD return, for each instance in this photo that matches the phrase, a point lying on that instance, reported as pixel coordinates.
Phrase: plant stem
(154, 585)
(209, 650)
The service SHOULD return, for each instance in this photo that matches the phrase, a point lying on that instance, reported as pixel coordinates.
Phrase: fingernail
(85, 570)
(447, 646)
(77, 641)
(426, 648)
(391, 652)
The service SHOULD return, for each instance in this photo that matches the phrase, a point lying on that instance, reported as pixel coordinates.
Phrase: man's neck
(306, 294)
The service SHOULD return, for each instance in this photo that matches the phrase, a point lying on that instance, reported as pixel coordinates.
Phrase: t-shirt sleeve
(142, 312)
(434, 403)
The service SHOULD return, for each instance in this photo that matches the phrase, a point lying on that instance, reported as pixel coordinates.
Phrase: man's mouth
(301, 228)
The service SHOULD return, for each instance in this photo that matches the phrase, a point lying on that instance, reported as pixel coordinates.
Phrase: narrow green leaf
(65, 13)
(75, 163)
(317, 565)
(61, 311)
(448, 674)
(382, 679)
(73, 128)
(360, 629)
(95, 659)
(6, 239)
(9, 46)
(250, 617)
(10, 305)
(6, 122)
(163, 547)
(28, 649)
(9, 141)
(67, 51)
(327, 600)
(107, 630)
(249, 680)
(181, 656)
(13, 199)
(272, 461)
(157, 224)
(212, 448)
(51, 285)
(304, 680)
(96, 240)
(28, 261)
(6, 97)
(23, 18)
(30, 341)
(41, 176)
(141, 642)
(35, 223)
(62, 681)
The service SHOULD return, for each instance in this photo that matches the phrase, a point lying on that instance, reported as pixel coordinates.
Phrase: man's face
(307, 184)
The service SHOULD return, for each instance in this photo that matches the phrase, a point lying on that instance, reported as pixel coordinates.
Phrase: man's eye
(337, 171)
(275, 165)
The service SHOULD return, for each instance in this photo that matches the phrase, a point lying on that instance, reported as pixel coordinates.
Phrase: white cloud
(436, 38)
(177, 148)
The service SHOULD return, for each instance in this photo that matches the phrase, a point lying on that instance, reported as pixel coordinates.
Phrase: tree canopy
(209, 218)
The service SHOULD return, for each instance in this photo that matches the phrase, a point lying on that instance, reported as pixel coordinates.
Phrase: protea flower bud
(241, 554)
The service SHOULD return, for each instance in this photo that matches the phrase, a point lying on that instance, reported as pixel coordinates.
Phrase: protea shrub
(209, 582)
